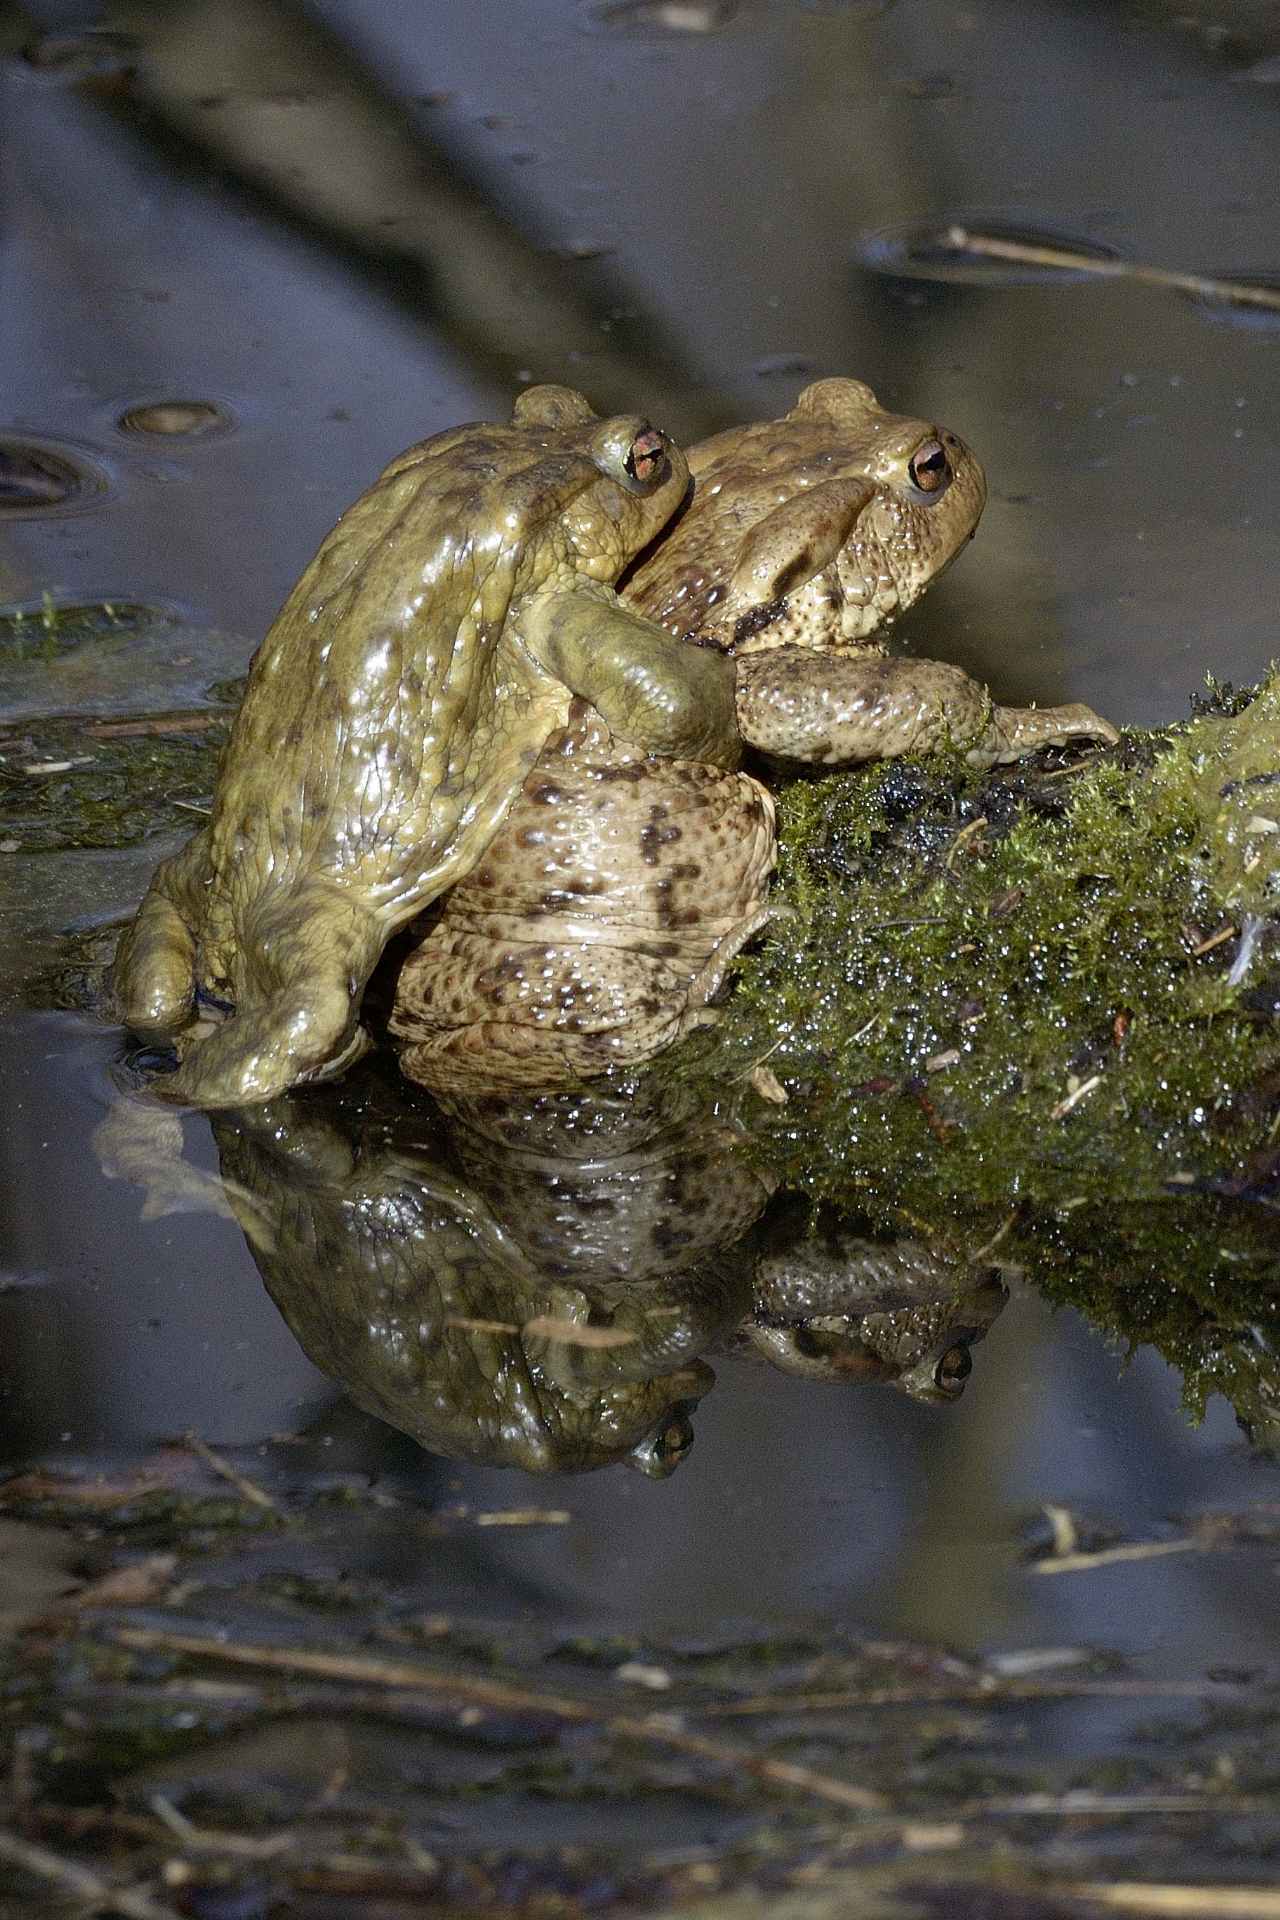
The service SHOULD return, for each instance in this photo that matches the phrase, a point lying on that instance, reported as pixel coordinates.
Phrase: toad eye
(952, 1371)
(675, 1440)
(929, 467)
(662, 1453)
(646, 458)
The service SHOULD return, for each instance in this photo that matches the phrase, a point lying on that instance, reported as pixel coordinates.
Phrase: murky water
(251, 252)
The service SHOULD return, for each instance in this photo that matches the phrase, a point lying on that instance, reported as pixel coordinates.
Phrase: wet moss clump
(64, 784)
(1036, 1014)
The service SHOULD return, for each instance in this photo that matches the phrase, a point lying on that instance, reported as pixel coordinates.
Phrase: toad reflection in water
(535, 1284)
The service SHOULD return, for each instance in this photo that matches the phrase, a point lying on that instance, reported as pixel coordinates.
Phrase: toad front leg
(660, 694)
(832, 708)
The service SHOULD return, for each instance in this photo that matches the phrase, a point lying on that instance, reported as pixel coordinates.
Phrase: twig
(965, 834)
(655, 1729)
(524, 1517)
(544, 1326)
(242, 1846)
(781, 1041)
(247, 1489)
(98, 1895)
(1123, 1805)
(1196, 1903)
(883, 926)
(1074, 1098)
(988, 1247)
(1203, 286)
(1215, 940)
(196, 722)
(568, 1333)
(994, 1693)
(1066, 1535)
(1077, 766)
(1112, 1556)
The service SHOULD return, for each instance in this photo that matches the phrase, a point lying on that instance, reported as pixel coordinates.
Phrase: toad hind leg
(836, 709)
(296, 1011)
(1012, 732)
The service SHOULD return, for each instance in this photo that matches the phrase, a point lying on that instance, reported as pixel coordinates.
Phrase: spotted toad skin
(598, 925)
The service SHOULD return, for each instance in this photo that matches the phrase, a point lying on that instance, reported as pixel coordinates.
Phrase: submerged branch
(405, 1677)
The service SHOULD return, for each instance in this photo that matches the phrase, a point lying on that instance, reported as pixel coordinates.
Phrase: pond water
(254, 249)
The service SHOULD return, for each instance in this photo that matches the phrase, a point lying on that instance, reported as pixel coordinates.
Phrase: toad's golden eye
(929, 467)
(646, 460)
(953, 1370)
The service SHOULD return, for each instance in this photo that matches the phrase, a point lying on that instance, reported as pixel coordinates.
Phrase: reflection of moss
(155, 1519)
(118, 790)
(52, 628)
(998, 1003)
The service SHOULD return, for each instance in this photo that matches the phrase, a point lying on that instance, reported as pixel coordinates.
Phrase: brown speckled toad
(812, 534)
(604, 915)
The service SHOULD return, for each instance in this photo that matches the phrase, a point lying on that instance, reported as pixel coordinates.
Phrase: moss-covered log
(1037, 1012)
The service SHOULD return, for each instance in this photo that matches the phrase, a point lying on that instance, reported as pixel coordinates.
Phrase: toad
(403, 694)
(602, 919)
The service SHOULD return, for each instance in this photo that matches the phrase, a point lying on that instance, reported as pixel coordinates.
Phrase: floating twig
(188, 722)
(1195, 1902)
(1201, 286)
(544, 1326)
(983, 1691)
(246, 1488)
(1114, 1556)
(135, 1585)
(95, 1894)
(571, 1333)
(1078, 765)
(524, 1517)
(36, 769)
(240, 1846)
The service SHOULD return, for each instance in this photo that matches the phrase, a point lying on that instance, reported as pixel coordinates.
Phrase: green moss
(1232, 765)
(107, 791)
(999, 1006)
